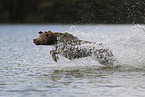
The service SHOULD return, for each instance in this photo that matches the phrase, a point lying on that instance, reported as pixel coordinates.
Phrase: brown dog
(49, 38)
(70, 47)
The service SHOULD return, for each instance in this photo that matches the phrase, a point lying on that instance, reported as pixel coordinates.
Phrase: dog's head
(45, 38)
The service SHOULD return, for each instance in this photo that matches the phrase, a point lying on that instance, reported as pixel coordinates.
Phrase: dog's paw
(54, 55)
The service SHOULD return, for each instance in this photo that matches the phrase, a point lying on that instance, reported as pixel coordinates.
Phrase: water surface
(28, 70)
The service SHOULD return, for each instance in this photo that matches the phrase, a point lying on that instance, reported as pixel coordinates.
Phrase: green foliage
(72, 11)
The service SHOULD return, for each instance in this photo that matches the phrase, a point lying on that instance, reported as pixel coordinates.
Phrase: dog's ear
(48, 33)
(40, 32)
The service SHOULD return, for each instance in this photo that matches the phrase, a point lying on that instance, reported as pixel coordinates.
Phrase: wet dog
(72, 48)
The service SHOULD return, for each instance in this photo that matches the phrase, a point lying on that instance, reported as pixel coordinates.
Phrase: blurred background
(27, 70)
(73, 11)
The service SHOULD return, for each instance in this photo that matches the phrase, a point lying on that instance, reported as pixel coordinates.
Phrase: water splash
(127, 46)
(131, 47)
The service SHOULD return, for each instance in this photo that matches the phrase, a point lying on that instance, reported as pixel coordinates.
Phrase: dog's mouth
(36, 42)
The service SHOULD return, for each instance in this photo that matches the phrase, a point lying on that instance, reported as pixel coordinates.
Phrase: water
(28, 70)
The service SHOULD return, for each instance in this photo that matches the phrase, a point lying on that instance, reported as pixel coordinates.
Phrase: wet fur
(70, 47)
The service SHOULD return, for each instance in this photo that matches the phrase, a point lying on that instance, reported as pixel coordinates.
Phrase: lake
(27, 70)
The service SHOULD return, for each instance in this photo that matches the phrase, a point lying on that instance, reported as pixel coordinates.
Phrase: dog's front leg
(53, 53)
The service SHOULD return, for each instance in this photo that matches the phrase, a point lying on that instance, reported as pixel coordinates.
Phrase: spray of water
(128, 47)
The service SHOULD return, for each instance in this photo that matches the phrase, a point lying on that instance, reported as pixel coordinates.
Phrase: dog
(73, 48)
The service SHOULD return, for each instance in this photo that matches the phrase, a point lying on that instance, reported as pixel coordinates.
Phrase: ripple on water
(26, 69)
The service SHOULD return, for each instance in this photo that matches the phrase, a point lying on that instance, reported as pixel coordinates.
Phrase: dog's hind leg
(104, 56)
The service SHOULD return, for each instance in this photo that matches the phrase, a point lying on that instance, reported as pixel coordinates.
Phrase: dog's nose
(34, 40)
